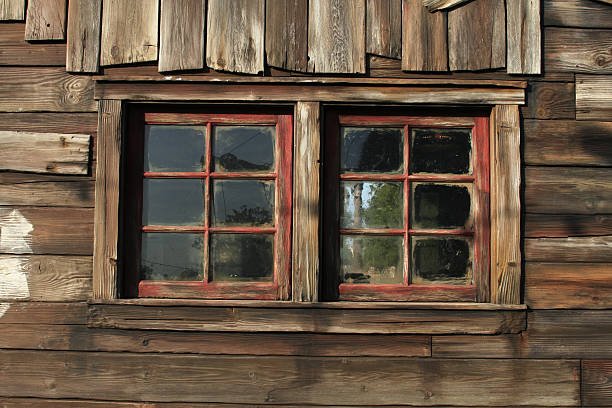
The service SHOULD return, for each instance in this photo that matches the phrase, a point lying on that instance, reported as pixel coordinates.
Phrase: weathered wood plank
(434, 5)
(106, 222)
(523, 37)
(594, 97)
(45, 278)
(307, 151)
(550, 100)
(55, 153)
(82, 338)
(50, 122)
(17, 189)
(287, 34)
(574, 249)
(567, 225)
(384, 28)
(597, 383)
(576, 13)
(307, 92)
(46, 20)
(181, 35)
(565, 286)
(83, 39)
(44, 89)
(319, 320)
(235, 35)
(561, 334)
(12, 10)
(43, 313)
(46, 230)
(129, 31)
(477, 36)
(568, 190)
(577, 50)
(336, 36)
(296, 380)
(424, 43)
(567, 143)
(14, 51)
(505, 206)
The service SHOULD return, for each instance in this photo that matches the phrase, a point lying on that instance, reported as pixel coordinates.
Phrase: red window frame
(478, 291)
(139, 117)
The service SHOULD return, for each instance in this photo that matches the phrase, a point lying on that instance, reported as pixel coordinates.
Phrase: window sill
(323, 317)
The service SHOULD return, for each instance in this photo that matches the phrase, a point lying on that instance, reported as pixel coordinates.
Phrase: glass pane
(243, 203)
(174, 148)
(371, 259)
(371, 150)
(441, 151)
(173, 202)
(172, 256)
(439, 205)
(243, 148)
(437, 260)
(242, 257)
(369, 204)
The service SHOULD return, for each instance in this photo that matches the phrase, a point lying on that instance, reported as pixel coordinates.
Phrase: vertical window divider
(406, 205)
(207, 209)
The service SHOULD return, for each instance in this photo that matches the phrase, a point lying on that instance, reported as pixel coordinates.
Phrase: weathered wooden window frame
(503, 313)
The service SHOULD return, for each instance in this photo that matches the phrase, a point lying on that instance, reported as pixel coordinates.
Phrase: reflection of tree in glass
(242, 257)
(249, 216)
(229, 162)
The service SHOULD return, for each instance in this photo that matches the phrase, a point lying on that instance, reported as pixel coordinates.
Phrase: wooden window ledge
(323, 317)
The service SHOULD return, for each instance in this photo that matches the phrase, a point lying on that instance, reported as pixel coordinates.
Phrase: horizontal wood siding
(594, 97)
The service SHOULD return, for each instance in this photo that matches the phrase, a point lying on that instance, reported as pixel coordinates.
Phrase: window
(208, 213)
(406, 207)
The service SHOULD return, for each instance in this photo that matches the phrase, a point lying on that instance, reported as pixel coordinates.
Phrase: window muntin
(210, 207)
(407, 217)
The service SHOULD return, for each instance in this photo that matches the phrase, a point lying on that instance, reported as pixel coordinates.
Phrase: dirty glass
(441, 260)
(172, 256)
(371, 204)
(247, 203)
(174, 148)
(376, 150)
(441, 205)
(440, 150)
(243, 148)
(371, 259)
(177, 202)
(242, 257)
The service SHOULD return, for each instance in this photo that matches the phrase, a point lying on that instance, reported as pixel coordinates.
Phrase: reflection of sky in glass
(172, 256)
(381, 204)
(243, 202)
(174, 148)
(243, 148)
(173, 202)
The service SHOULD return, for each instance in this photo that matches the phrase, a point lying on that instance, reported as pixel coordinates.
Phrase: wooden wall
(49, 358)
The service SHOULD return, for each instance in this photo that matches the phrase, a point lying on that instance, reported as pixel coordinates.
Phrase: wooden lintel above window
(347, 90)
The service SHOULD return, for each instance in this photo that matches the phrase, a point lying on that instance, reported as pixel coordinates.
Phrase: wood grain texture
(287, 34)
(307, 150)
(567, 225)
(294, 380)
(505, 205)
(17, 189)
(106, 218)
(384, 28)
(14, 51)
(82, 338)
(50, 122)
(568, 190)
(45, 89)
(524, 37)
(46, 20)
(477, 36)
(550, 100)
(577, 13)
(55, 153)
(424, 42)
(315, 320)
(129, 31)
(55, 230)
(336, 36)
(578, 50)
(434, 5)
(566, 286)
(597, 383)
(44, 313)
(567, 143)
(181, 35)
(308, 92)
(569, 250)
(12, 10)
(235, 35)
(83, 39)
(49, 278)
(594, 97)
